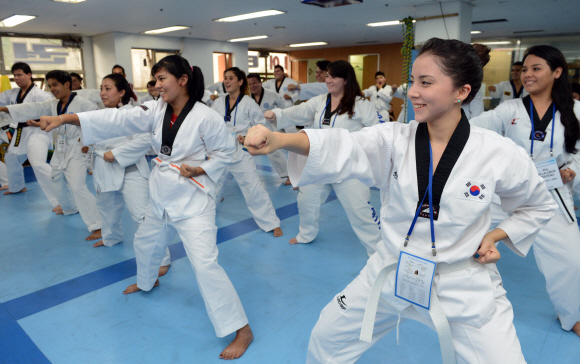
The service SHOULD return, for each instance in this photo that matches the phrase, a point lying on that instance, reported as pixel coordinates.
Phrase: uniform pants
(279, 162)
(335, 338)
(3, 175)
(355, 199)
(557, 253)
(74, 179)
(199, 240)
(37, 149)
(257, 198)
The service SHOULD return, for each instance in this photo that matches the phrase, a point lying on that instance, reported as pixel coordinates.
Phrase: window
(142, 61)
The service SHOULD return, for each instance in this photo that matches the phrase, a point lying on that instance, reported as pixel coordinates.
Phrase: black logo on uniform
(340, 300)
(144, 107)
(165, 149)
(424, 212)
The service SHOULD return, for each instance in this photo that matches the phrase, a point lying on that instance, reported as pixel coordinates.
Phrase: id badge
(61, 143)
(414, 279)
(550, 172)
(325, 121)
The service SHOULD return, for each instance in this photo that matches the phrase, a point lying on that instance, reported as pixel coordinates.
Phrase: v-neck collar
(446, 163)
(261, 97)
(539, 124)
(281, 83)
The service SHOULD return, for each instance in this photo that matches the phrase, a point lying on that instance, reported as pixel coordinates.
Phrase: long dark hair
(561, 93)
(178, 66)
(244, 89)
(457, 60)
(344, 70)
(121, 84)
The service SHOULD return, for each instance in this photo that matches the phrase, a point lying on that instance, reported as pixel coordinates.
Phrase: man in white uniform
(28, 142)
(380, 95)
(153, 93)
(306, 91)
(509, 90)
(268, 100)
(68, 161)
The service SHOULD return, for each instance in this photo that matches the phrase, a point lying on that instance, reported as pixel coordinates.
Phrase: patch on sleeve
(144, 107)
(474, 191)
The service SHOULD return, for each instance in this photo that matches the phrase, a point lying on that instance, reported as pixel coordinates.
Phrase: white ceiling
(339, 27)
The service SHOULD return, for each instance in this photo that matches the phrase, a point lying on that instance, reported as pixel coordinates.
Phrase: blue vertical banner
(410, 111)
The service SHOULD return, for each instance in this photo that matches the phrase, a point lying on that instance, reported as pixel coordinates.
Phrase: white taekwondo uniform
(311, 89)
(475, 107)
(242, 115)
(283, 90)
(28, 142)
(557, 246)
(69, 171)
(380, 98)
(395, 158)
(354, 196)
(506, 90)
(4, 126)
(269, 100)
(219, 87)
(181, 205)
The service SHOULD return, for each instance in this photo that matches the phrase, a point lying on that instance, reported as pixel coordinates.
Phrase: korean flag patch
(475, 191)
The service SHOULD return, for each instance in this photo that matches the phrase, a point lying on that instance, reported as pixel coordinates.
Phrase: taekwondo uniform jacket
(505, 90)
(283, 90)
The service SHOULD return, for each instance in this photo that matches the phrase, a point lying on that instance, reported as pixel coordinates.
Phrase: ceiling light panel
(166, 30)
(248, 38)
(15, 20)
(476, 32)
(70, 1)
(258, 14)
(307, 44)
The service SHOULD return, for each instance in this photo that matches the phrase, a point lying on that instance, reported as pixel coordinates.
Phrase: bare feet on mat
(576, 328)
(98, 244)
(163, 270)
(133, 288)
(238, 347)
(288, 183)
(4, 188)
(277, 232)
(59, 212)
(296, 188)
(95, 235)
(13, 193)
(57, 209)
(293, 241)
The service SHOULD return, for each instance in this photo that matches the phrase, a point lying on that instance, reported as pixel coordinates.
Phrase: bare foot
(13, 193)
(576, 328)
(133, 288)
(90, 173)
(238, 346)
(98, 244)
(296, 188)
(163, 270)
(4, 188)
(222, 200)
(57, 209)
(277, 232)
(59, 212)
(95, 235)
(293, 241)
(287, 183)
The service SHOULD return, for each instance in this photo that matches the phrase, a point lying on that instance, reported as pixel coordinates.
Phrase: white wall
(115, 48)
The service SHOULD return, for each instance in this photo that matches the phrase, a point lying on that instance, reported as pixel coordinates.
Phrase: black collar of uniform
(59, 108)
(261, 97)
(446, 163)
(230, 109)
(327, 112)
(168, 133)
(224, 88)
(517, 95)
(19, 100)
(276, 84)
(539, 124)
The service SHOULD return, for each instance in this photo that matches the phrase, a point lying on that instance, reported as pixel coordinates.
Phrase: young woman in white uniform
(69, 171)
(553, 114)
(194, 148)
(343, 107)
(239, 112)
(470, 312)
(121, 171)
(27, 142)
(268, 100)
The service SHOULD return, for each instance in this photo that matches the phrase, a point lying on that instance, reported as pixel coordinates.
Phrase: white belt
(165, 165)
(436, 312)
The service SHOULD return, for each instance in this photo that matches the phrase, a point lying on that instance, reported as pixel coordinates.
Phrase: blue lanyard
(323, 111)
(236, 113)
(430, 191)
(534, 130)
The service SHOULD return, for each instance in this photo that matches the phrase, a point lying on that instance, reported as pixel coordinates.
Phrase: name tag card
(61, 143)
(414, 279)
(550, 172)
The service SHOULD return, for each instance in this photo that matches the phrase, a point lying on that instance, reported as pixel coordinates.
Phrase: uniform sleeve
(368, 92)
(498, 91)
(213, 87)
(133, 150)
(370, 116)
(294, 95)
(386, 94)
(310, 90)
(255, 114)
(496, 119)
(5, 97)
(111, 123)
(524, 195)
(267, 85)
(219, 145)
(337, 155)
(20, 113)
(302, 114)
